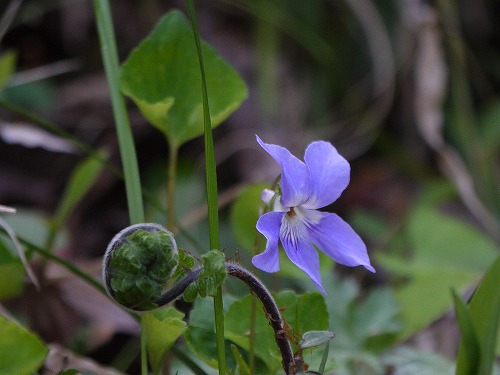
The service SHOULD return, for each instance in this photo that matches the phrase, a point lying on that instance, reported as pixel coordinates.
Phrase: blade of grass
(322, 365)
(211, 181)
(63, 262)
(127, 149)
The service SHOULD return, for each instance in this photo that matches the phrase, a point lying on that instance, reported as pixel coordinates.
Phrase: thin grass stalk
(127, 148)
(212, 196)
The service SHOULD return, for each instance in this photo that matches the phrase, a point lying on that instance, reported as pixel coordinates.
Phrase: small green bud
(137, 265)
(214, 273)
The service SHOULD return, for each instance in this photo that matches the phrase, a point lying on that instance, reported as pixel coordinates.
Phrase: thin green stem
(212, 196)
(127, 148)
(171, 181)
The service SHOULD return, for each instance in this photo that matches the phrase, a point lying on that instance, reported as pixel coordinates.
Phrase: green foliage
(200, 334)
(245, 212)
(140, 268)
(302, 313)
(212, 276)
(446, 253)
(163, 327)
(7, 67)
(363, 329)
(22, 351)
(479, 325)
(162, 76)
(11, 273)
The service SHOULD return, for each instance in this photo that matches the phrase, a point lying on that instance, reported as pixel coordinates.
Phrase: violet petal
(339, 241)
(329, 174)
(269, 225)
(295, 182)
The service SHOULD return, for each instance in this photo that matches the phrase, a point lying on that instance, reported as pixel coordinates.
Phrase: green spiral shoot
(137, 265)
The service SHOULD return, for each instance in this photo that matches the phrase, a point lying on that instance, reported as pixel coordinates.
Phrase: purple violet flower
(294, 219)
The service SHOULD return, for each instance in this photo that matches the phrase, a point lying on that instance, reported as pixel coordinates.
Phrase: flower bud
(137, 265)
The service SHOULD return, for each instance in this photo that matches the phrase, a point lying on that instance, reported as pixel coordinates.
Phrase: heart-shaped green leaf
(162, 76)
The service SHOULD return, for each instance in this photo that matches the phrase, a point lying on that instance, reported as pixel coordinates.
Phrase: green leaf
(22, 351)
(454, 256)
(358, 324)
(11, 274)
(470, 354)
(363, 327)
(82, 179)
(200, 334)
(237, 327)
(303, 313)
(245, 212)
(297, 311)
(7, 67)
(163, 327)
(484, 315)
(162, 76)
